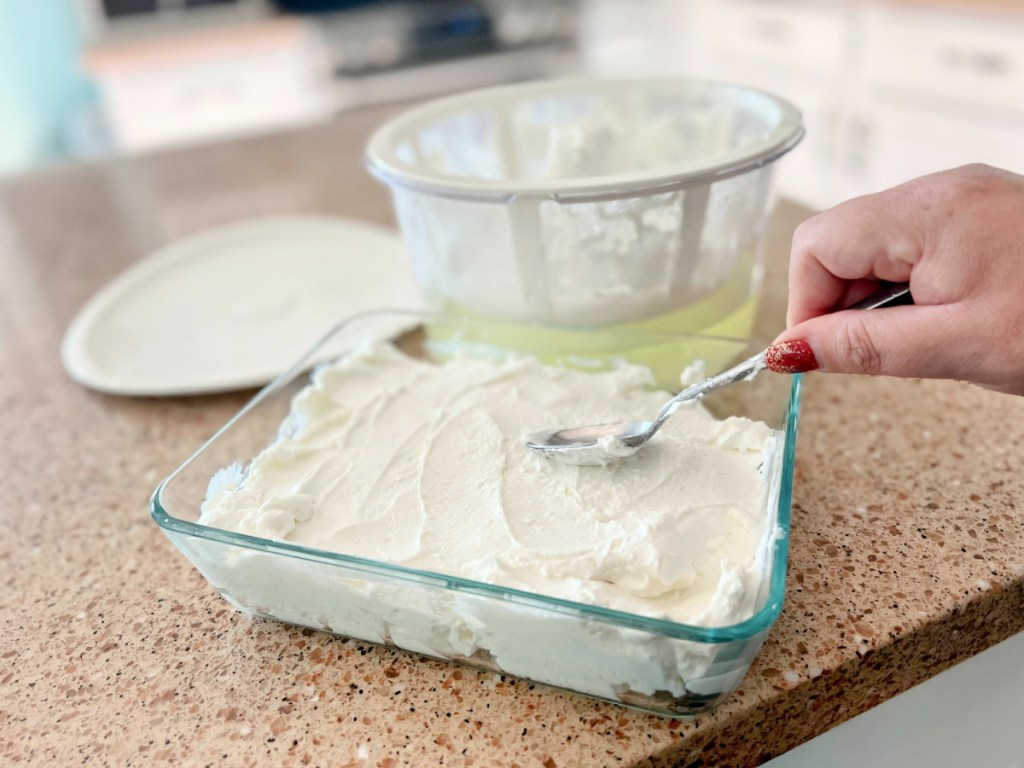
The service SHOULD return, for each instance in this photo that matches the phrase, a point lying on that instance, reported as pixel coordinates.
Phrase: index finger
(839, 256)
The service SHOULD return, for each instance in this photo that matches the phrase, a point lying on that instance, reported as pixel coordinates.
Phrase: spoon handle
(890, 294)
(745, 370)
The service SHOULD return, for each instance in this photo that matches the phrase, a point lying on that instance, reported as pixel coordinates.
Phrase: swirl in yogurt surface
(420, 464)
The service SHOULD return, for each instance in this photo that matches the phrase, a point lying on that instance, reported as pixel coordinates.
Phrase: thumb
(910, 341)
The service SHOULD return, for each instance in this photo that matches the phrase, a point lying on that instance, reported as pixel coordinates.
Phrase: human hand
(958, 238)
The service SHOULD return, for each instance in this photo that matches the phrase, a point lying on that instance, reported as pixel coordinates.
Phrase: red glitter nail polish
(791, 357)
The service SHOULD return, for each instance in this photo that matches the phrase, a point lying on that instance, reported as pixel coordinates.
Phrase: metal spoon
(605, 443)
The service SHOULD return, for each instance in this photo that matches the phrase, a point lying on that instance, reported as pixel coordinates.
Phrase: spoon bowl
(595, 444)
(605, 443)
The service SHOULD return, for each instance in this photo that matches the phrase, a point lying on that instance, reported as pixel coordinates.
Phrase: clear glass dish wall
(654, 665)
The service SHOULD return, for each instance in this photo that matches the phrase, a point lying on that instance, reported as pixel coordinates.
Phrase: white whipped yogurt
(394, 459)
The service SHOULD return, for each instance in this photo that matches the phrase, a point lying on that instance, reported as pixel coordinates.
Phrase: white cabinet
(888, 90)
(207, 84)
(803, 36)
(936, 90)
(633, 38)
(902, 142)
(956, 57)
(795, 49)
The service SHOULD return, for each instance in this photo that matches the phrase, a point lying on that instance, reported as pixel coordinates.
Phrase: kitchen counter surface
(907, 550)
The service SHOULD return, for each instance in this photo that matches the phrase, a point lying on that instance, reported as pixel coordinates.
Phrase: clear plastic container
(608, 202)
(652, 664)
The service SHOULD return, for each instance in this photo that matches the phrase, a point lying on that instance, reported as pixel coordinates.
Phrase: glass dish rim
(759, 621)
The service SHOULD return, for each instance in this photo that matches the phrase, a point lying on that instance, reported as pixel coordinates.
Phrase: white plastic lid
(232, 308)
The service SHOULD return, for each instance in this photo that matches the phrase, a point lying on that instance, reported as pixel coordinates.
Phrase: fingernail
(791, 357)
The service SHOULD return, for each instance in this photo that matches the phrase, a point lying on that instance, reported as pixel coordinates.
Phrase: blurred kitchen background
(890, 89)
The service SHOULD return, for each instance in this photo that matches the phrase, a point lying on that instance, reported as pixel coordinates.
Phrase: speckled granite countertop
(907, 546)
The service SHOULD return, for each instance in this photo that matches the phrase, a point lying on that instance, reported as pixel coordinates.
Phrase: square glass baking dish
(651, 664)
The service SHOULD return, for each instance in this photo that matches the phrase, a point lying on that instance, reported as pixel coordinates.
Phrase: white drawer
(635, 38)
(204, 84)
(967, 58)
(902, 143)
(158, 106)
(805, 35)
